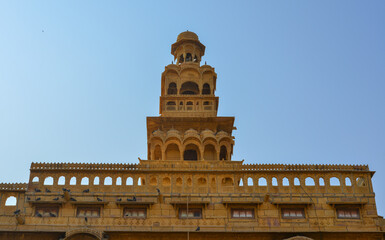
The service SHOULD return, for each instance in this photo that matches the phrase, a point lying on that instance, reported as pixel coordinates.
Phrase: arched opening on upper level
(172, 152)
(181, 59)
(48, 181)
(157, 153)
(191, 153)
(172, 90)
(189, 57)
(11, 201)
(210, 153)
(189, 88)
(223, 153)
(206, 89)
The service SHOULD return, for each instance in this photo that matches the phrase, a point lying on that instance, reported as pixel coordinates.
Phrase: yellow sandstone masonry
(189, 187)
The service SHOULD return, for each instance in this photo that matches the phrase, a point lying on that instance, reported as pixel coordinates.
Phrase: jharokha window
(242, 213)
(135, 213)
(348, 213)
(192, 213)
(88, 212)
(47, 211)
(291, 213)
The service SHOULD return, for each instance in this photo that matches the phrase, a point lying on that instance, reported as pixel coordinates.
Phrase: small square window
(93, 212)
(135, 213)
(242, 213)
(47, 211)
(192, 213)
(291, 213)
(348, 213)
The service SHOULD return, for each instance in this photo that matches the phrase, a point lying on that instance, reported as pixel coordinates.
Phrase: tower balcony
(187, 106)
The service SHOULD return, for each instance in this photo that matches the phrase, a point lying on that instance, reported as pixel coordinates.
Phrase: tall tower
(188, 128)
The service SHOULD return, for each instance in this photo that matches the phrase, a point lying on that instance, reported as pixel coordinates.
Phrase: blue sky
(304, 79)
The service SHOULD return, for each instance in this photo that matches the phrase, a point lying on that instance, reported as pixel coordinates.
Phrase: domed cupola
(188, 48)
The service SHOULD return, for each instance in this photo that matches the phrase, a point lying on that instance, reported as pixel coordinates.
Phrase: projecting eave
(215, 124)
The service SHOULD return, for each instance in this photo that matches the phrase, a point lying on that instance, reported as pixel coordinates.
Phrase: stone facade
(190, 188)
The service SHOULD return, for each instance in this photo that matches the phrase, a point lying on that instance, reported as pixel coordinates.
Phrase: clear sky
(304, 79)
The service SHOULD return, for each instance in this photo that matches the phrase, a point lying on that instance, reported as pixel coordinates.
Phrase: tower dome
(187, 48)
(187, 35)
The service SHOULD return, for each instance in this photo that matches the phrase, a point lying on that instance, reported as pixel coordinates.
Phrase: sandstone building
(190, 188)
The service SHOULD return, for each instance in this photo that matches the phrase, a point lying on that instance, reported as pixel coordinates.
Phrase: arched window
(348, 182)
(85, 181)
(140, 181)
(172, 152)
(11, 201)
(188, 57)
(48, 181)
(334, 181)
(262, 181)
(240, 182)
(73, 181)
(191, 153)
(274, 181)
(157, 153)
(108, 181)
(296, 182)
(172, 89)
(61, 181)
(189, 88)
(195, 58)
(360, 182)
(210, 153)
(181, 59)
(206, 89)
(309, 181)
(35, 180)
(96, 181)
(321, 182)
(285, 181)
(119, 181)
(129, 181)
(223, 153)
(171, 106)
(250, 181)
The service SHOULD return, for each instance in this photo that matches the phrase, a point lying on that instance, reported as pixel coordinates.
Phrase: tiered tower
(188, 128)
(189, 188)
